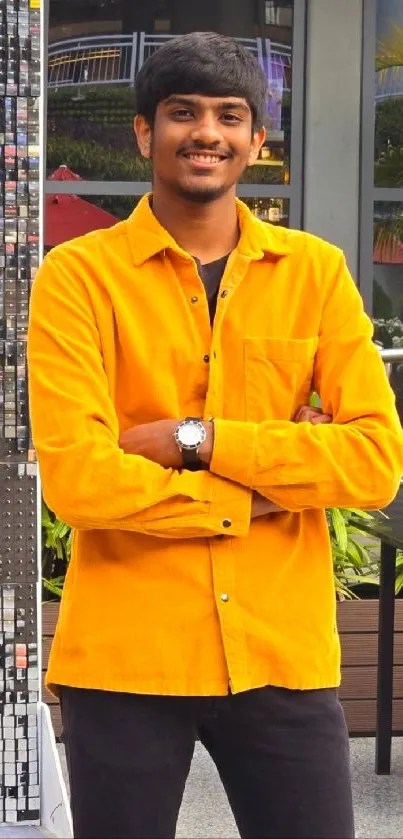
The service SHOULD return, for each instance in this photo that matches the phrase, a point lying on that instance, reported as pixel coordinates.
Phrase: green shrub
(93, 160)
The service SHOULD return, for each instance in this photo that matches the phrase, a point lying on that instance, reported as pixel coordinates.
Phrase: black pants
(283, 758)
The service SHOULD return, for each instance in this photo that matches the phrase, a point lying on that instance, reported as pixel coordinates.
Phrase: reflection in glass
(68, 216)
(388, 286)
(388, 273)
(97, 47)
(389, 94)
(273, 210)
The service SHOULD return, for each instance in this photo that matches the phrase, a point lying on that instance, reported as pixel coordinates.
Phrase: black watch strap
(191, 460)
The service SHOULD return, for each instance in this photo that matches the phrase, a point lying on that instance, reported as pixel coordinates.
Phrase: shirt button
(227, 523)
(224, 598)
(224, 293)
(194, 299)
(206, 359)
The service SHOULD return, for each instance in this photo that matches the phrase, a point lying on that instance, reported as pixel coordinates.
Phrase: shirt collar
(147, 237)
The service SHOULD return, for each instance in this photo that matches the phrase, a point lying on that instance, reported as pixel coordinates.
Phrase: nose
(206, 130)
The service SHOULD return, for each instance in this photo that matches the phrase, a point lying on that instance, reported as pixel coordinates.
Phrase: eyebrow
(226, 105)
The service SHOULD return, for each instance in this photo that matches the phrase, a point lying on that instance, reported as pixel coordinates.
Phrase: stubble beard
(204, 195)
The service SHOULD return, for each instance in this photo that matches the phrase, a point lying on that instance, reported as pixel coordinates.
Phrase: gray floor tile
(378, 799)
(21, 831)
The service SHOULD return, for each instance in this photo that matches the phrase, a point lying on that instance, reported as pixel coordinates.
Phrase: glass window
(272, 13)
(96, 48)
(389, 94)
(388, 287)
(388, 273)
(273, 210)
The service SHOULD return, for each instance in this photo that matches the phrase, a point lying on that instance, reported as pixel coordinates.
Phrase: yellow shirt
(171, 589)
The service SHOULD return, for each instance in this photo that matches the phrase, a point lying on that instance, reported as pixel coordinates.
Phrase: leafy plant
(56, 551)
(353, 559)
(389, 166)
(93, 160)
(388, 231)
(388, 126)
(399, 573)
(389, 332)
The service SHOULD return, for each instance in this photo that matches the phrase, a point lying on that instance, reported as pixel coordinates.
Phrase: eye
(234, 118)
(181, 114)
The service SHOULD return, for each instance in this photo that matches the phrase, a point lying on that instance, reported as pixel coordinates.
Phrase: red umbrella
(63, 173)
(69, 216)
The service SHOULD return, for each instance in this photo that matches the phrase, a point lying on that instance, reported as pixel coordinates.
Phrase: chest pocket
(278, 376)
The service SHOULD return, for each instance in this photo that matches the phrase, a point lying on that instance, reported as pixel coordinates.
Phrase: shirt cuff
(231, 508)
(234, 451)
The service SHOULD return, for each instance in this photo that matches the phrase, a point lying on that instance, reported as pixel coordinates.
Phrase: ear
(257, 143)
(142, 131)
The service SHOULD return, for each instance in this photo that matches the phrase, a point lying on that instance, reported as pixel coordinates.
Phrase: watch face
(190, 435)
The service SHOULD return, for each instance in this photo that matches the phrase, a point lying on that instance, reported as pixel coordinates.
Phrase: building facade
(333, 160)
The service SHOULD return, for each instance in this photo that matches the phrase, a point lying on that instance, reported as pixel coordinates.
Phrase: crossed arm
(155, 441)
(90, 481)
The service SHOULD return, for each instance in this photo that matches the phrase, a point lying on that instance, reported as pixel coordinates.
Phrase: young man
(169, 357)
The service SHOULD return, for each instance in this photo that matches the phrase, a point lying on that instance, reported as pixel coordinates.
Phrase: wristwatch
(190, 434)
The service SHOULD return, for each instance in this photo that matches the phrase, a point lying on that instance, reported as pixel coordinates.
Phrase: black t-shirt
(211, 275)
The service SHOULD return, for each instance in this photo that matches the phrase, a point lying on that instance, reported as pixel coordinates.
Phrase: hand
(155, 441)
(262, 506)
(313, 415)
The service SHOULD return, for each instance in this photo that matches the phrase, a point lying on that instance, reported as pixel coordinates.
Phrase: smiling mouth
(206, 158)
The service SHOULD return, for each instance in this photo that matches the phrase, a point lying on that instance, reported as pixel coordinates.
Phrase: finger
(298, 415)
(306, 413)
(324, 418)
(301, 413)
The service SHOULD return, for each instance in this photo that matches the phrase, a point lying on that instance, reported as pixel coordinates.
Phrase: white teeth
(205, 158)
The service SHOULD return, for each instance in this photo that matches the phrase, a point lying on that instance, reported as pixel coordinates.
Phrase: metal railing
(389, 83)
(116, 59)
(391, 355)
(105, 59)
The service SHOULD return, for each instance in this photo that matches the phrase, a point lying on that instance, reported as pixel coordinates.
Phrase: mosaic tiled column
(19, 260)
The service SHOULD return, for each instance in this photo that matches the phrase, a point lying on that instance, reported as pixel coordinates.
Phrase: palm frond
(389, 56)
(388, 235)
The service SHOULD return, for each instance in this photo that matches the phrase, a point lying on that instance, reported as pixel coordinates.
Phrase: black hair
(204, 63)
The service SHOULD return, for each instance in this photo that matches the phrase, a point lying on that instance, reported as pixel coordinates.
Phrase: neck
(206, 231)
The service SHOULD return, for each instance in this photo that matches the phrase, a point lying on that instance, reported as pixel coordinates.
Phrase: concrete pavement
(378, 800)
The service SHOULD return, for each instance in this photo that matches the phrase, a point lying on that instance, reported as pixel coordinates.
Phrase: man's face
(199, 145)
